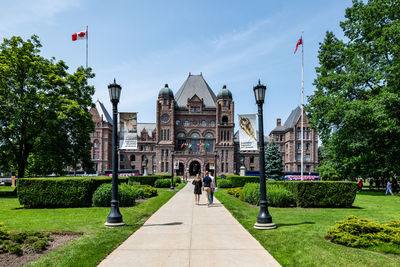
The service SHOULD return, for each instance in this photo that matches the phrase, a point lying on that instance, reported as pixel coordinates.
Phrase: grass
(7, 188)
(96, 242)
(299, 239)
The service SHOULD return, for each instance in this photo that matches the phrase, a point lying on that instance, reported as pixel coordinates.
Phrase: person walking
(207, 187)
(388, 188)
(360, 185)
(211, 198)
(197, 189)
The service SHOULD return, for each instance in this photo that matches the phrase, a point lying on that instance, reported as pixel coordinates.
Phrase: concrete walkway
(181, 233)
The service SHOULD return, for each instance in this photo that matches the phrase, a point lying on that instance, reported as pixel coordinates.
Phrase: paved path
(183, 234)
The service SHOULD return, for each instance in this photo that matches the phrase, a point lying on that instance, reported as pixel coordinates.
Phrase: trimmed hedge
(149, 180)
(333, 194)
(62, 192)
(303, 193)
(163, 183)
(240, 181)
(223, 183)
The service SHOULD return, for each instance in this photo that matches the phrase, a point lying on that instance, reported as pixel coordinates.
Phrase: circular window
(178, 122)
(203, 123)
(165, 118)
(212, 123)
(186, 122)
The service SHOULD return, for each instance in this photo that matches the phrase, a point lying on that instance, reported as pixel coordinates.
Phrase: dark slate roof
(290, 122)
(195, 84)
(103, 112)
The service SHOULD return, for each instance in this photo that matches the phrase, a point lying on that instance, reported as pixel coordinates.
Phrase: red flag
(300, 42)
(79, 35)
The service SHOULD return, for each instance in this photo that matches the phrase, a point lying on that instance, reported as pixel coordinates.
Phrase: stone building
(101, 138)
(197, 126)
(288, 139)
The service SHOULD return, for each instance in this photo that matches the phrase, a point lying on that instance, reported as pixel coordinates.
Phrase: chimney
(278, 122)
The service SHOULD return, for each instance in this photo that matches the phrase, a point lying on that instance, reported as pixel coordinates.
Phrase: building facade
(195, 129)
(288, 139)
(101, 138)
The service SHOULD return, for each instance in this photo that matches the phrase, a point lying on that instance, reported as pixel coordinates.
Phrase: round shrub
(126, 195)
(177, 180)
(236, 192)
(162, 183)
(278, 196)
(148, 190)
(251, 193)
(223, 183)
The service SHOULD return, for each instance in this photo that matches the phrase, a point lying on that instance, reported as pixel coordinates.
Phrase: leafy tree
(44, 118)
(356, 105)
(273, 162)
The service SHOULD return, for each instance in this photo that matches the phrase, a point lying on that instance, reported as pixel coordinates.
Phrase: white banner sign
(128, 130)
(247, 131)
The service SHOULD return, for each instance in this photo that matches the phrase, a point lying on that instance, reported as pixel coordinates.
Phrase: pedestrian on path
(388, 188)
(213, 186)
(207, 186)
(360, 185)
(197, 189)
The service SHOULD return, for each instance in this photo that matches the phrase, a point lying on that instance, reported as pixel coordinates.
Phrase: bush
(178, 180)
(149, 191)
(236, 192)
(162, 183)
(239, 181)
(278, 196)
(251, 193)
(148, 180)
(60, 192)
(355, 232)
(3, 233)
(126, 194)
(321, 193)
(223, 183)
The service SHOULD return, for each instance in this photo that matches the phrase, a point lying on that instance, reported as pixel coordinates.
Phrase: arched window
(209, 142)
(133, 158)
(96, 144)
(194, 135)
(144, 157)
(154, 159)
(209, 135)
(212, 123)
(181, 135)
(194, 142)
(224, 120)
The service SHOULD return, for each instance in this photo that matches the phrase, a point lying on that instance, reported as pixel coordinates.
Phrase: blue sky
(145, 44)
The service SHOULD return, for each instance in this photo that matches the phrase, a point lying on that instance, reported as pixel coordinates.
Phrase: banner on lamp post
(247, 131)
(127, 130)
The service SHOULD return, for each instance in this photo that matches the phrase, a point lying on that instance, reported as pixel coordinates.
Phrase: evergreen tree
(273, 162)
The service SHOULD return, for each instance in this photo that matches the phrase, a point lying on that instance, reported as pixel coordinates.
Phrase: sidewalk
(181, 233)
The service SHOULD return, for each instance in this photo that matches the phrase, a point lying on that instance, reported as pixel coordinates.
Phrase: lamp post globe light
(264, 219)
(172, 171)
(115, 217)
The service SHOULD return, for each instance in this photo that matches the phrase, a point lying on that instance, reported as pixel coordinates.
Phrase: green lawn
(96, 242)
(7, 188)
(299, 237)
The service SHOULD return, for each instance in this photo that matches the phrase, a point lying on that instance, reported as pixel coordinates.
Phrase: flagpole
(87, 46)
(302, 100)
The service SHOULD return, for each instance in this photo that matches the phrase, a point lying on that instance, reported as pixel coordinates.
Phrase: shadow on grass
(163, 224)
(292, 224)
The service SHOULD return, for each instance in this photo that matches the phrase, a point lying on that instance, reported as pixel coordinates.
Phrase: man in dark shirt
(207, 186)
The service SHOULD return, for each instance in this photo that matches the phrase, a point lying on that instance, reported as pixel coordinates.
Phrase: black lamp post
(264, 219)
(172, 171)
(115, 217)
(215, 163)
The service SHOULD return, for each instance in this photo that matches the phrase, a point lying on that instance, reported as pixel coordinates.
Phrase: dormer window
(195, 109)
(165, 101)
(225, 103)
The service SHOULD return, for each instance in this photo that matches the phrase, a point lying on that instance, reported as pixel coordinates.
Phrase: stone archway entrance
(194, 168)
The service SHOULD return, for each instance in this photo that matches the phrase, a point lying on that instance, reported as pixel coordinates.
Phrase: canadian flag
(300, 42)
(79, 35)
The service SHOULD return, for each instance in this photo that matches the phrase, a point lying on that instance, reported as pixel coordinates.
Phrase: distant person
(213, 186)
(197, 189)
(360, 185)
(388, 188)
(207, 186)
